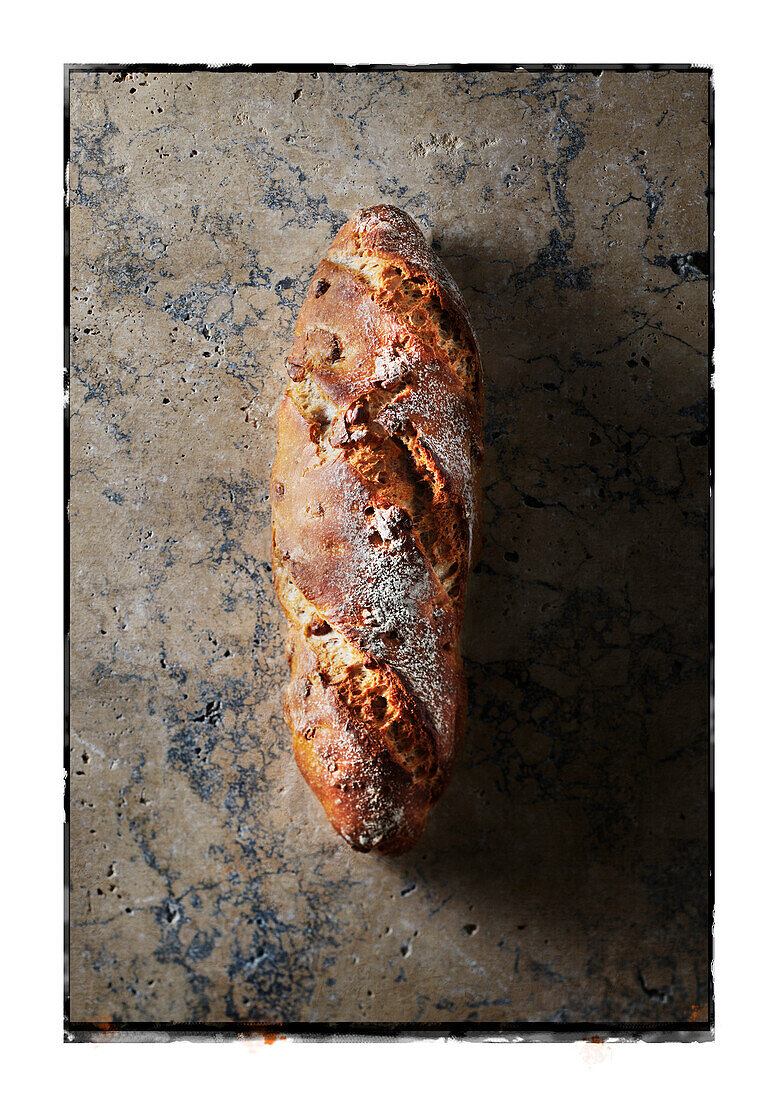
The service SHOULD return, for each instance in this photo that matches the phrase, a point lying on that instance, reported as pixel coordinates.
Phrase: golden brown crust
(376, 521)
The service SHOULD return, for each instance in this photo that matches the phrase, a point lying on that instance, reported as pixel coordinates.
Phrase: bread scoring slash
(376, 523)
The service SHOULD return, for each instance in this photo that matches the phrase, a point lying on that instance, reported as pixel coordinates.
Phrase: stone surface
(564, 875)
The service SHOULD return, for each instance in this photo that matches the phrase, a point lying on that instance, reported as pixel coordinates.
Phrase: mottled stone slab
(564, 875)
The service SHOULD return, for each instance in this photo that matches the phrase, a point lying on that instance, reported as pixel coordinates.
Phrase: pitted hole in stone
(375, 539)
(469, 929)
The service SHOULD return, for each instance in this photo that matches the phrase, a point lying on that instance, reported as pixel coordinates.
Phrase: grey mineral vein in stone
(564, 875)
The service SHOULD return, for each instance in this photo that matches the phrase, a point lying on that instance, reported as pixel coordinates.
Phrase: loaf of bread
(376, 521)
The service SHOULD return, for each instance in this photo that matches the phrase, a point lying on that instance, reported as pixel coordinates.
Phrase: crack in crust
(400, 472)
(381, 709)
(376, 521)
(417, 299)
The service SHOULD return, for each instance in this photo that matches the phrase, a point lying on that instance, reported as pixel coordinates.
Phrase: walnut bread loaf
(376, 519)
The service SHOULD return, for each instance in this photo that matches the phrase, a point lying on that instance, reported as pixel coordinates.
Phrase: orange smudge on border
(697, 1014)
(267, 1035)
(104, 1030)
(595, 1051)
